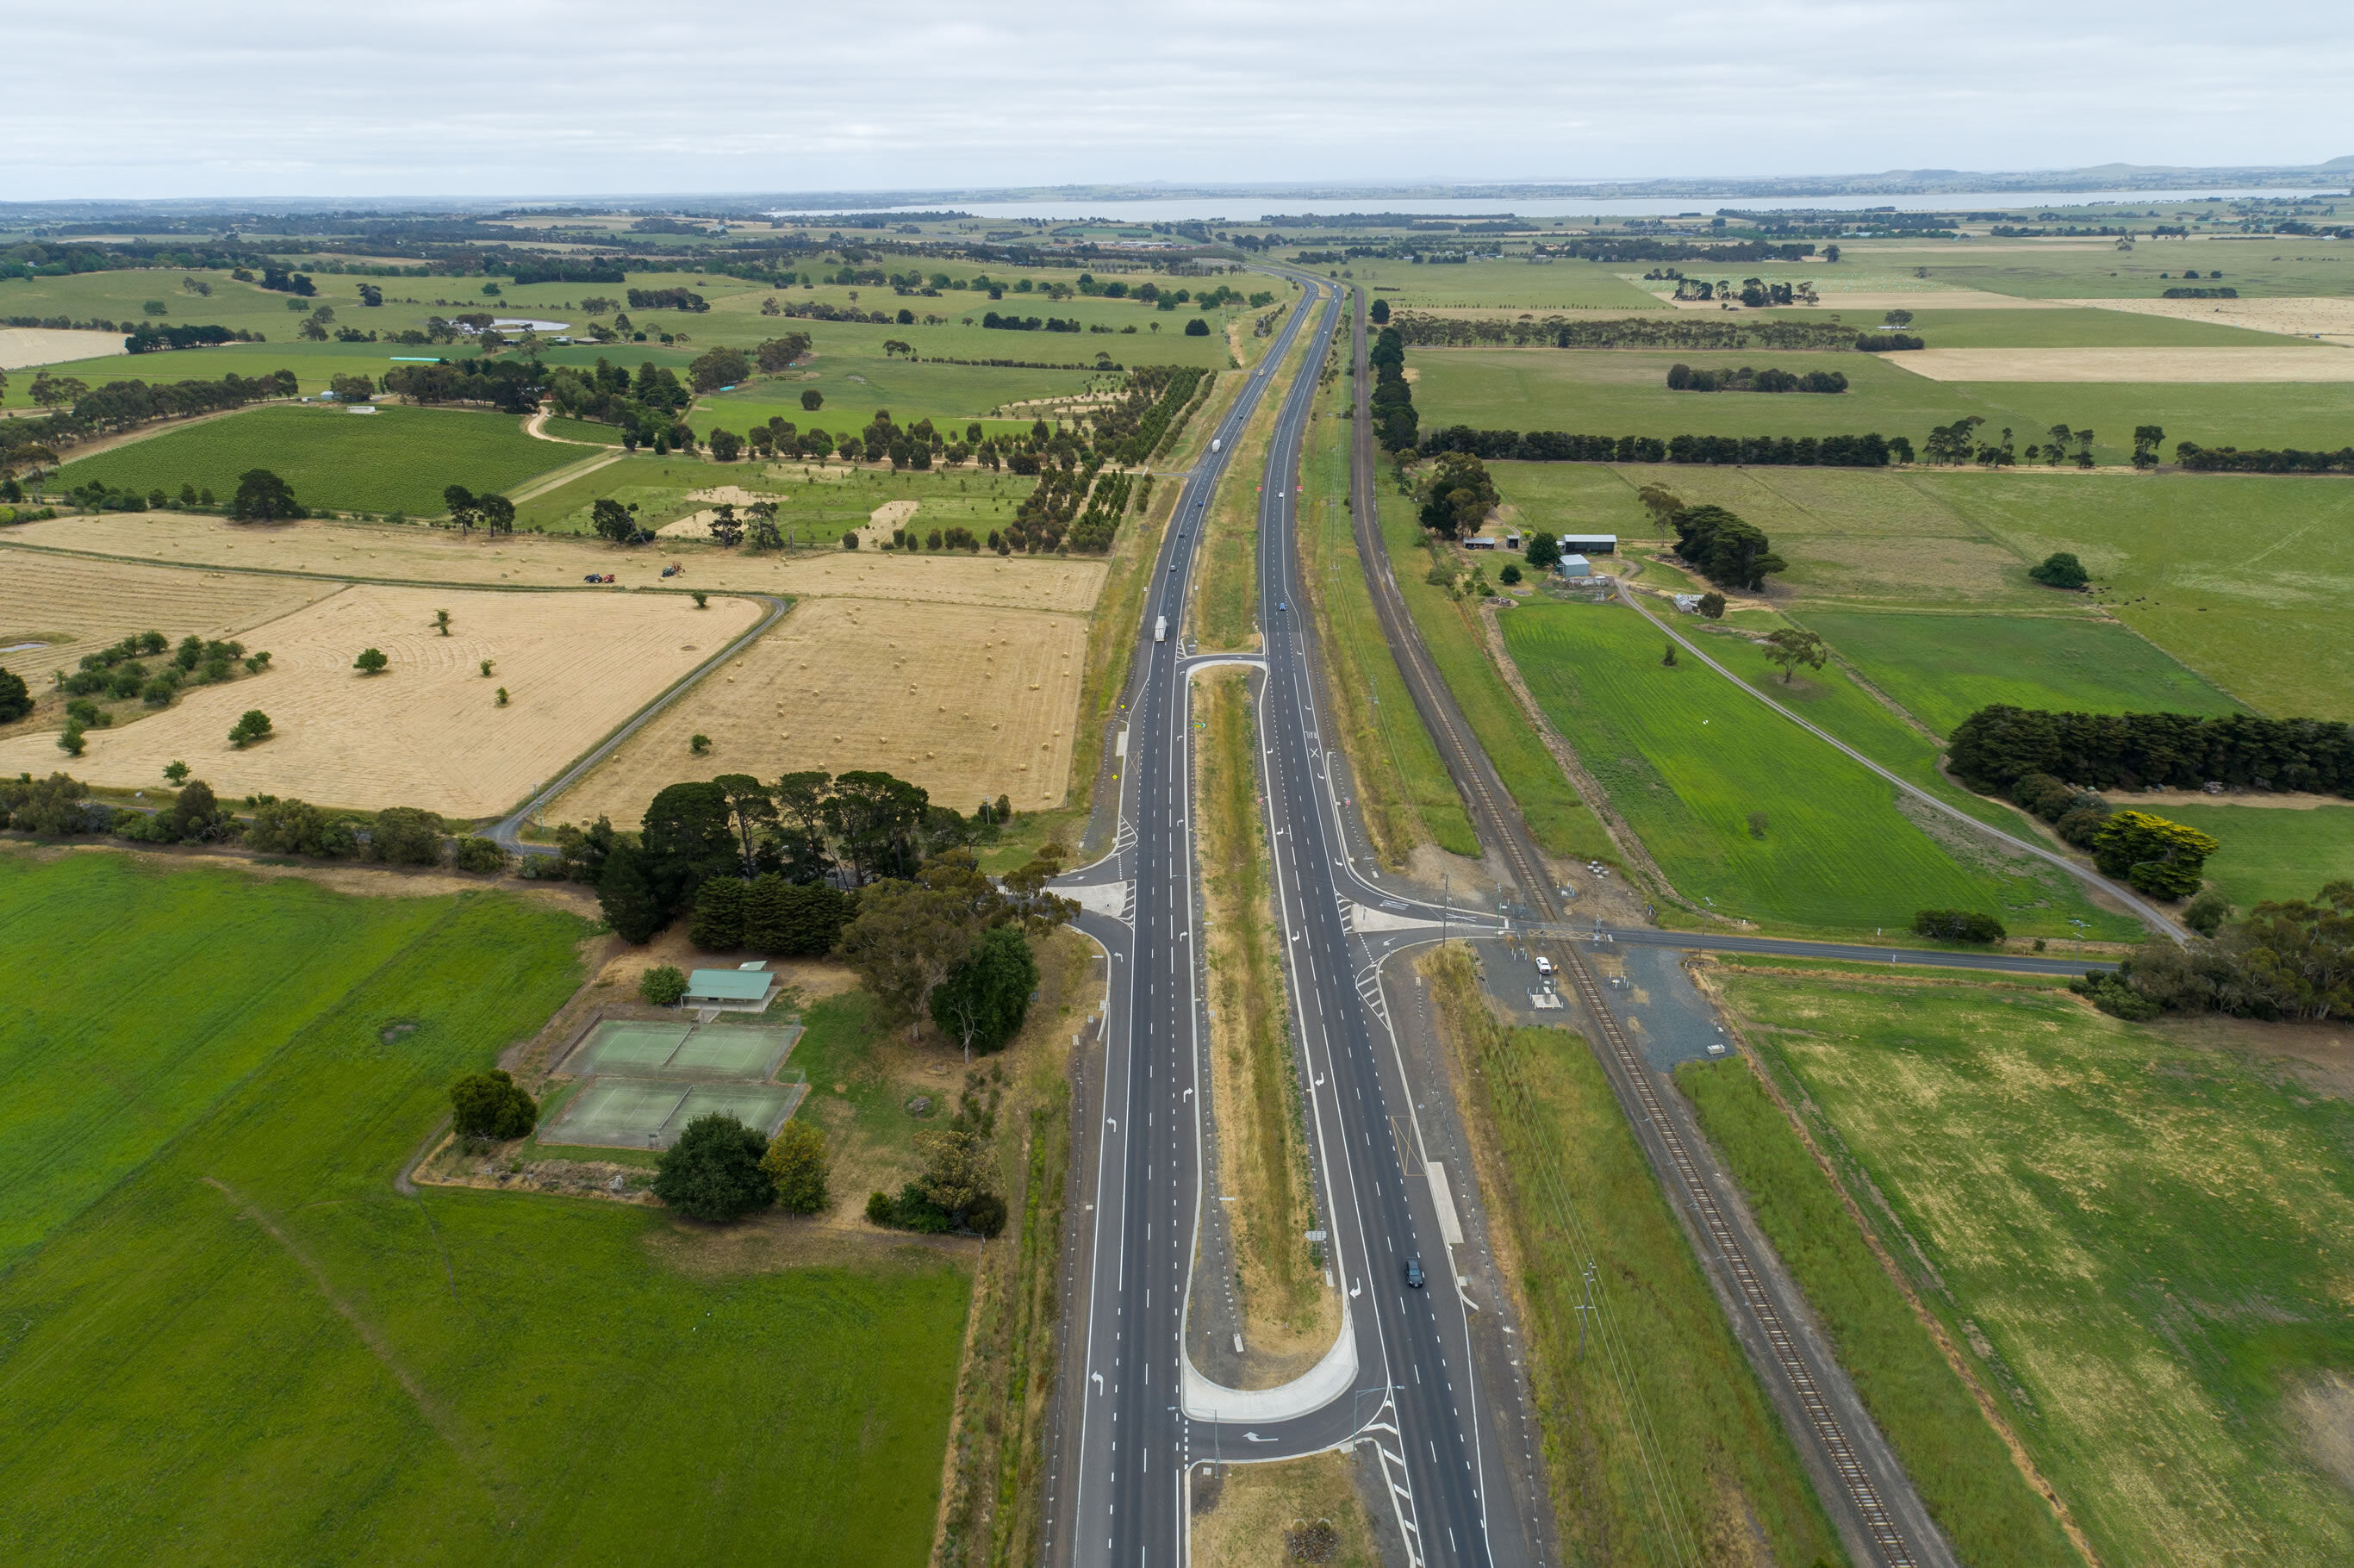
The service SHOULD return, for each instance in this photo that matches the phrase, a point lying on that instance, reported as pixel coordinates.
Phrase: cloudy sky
(138, 98)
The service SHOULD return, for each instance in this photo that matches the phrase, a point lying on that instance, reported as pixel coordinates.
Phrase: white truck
(1160, 628)
(1213, 446)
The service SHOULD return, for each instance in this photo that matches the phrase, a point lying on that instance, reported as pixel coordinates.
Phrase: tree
(2060, 569)
(712, 1172)
(2161, 858)
(982, 1001)
(491, 1105)
(497, 513)
(797, 1166)
(662, 986)
(15, 697)
(253, 725)
(717, 367)
(613, 521)
(1197, 327)
(406, 835)
(2206, 913)
(460, 502)
(371, 661)
(625, 893)
(795, 919)
(873, 818)
(175, 773)
(726, 446)
(717, 926)
(812, 399)
(904, 941)
(1457, 495)
(263, 497)
(753, 812)
(1729, 551)
(441, 621)
(726, 531)
(1378, 312)
(687, 835)
(1712, 606)
(1511, 574)
(957, 1172)
(1792, 647)
(1542, 551)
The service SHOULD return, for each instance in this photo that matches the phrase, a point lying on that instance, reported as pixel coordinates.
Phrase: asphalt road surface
(1401, 1373)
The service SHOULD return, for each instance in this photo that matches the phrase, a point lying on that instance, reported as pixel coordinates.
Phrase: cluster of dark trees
(1684, 378)
(720, 1170)
(120, 671)
(646, 410)
(1999, 745)
(957, 1189)
(2287, 460)
(666, 299)
(2223, 293)
(1887, 342)
(81, 411)
(1957, 926)
(1456, 494)
(1870, 451)
(2286, 958)
(1395, 420)
(279, 281)
(1727, 549)
(1660, 330)
(1755, 293)
(468, 511)
(1155, 401)
(512, 386)
(1097, 526)
(149, 336)
(1031, 324)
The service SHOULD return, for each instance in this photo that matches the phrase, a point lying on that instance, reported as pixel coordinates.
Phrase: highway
(1401, 1372)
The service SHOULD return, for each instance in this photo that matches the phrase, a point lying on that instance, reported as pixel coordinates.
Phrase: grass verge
(1255, 1085)
(1403, 791)
(1656, 1431)
(1559, 819)
(1250, 1515)
(1986, 1507)
(1224, 609)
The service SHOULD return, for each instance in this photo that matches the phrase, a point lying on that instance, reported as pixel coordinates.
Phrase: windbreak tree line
(1869, 450)
(1999, 745)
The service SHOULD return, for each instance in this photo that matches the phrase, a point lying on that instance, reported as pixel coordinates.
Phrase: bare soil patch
(21, 348)
(2197, 366)
(969, 702)
(2136, 798)
(427, 732)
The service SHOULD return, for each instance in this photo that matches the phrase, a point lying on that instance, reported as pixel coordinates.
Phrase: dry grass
(408, 554)
(2328, 317)
(1290, 1315)
(2205, 367)
(427, 732)
(24, 347)
(78, 607)
(1250, 1510)
(970, 703)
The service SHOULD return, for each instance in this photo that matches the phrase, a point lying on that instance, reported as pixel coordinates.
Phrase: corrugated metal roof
(728, 985)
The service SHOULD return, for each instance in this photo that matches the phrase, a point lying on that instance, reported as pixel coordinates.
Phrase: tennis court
(646, 1081)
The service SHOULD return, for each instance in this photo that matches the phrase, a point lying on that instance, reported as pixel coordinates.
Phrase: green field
(1619, 392)
(1655, 1428)
(396, 459)
(229, 1340)
(1562, 823)
(2222, 572)
(1942, 668)
(2050, 328)
(2272, 852)
(1514, 283)
(2257, 267)
(1687, 760)
(1957, 1460)
(2143, 1244)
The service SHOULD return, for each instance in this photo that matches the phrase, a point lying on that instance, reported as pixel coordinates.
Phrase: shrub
(476, 853)
(405, 836)
(662, 985)
(714, 1171)
(1511, 575)
(2112, 995)
(491, 1105)
(796, 1163)
(371, 661)
(982, 1001)
(15, 697)
(987, 1216)
(2206, 913)
(699, 745)
(1197, 327)
(1957, 926)
(881, 1210)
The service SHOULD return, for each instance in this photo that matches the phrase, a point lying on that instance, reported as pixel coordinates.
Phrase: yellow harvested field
(971, 702)
(23, 347)
(430, 554)
(2329, 316)
(76, 607)
(2202, 366)
(427, 732)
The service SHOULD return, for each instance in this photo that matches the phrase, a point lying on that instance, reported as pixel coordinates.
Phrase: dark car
(1413, 1273)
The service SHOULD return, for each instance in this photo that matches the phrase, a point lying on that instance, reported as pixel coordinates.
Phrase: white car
(1544, 964)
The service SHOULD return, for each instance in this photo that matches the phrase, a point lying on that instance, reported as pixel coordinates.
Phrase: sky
(419, 98)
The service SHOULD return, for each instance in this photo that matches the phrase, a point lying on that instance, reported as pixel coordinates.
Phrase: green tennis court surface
(646, 1081)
